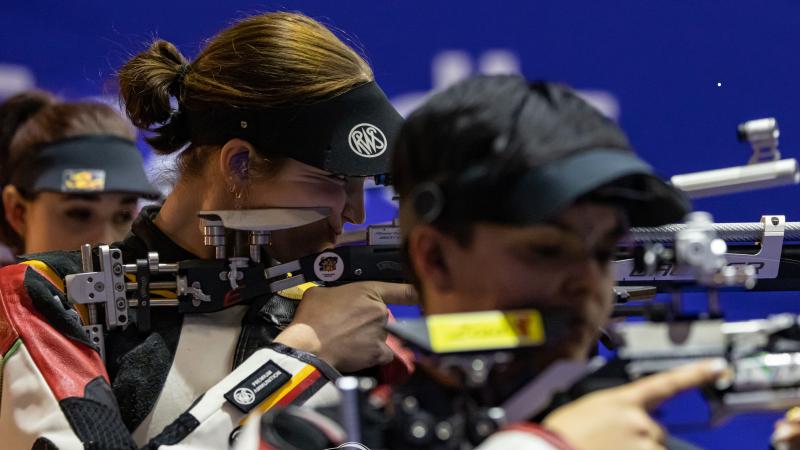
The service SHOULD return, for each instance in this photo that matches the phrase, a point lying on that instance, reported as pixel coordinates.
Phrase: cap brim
(350, 134)
(91, 165)
(362, 136)
(611, 175)
(647, 200)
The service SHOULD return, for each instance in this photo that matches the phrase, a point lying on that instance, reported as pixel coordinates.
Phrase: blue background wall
(679, 74)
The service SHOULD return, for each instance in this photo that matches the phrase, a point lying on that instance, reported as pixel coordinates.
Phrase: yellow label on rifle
(485, 330)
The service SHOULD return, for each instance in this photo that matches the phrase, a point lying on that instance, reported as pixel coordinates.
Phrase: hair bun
(148, 81)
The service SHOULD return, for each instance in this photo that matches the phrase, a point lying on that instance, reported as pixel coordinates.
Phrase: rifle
(238, 274)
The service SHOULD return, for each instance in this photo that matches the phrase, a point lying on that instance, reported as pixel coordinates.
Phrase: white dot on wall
(719, 84)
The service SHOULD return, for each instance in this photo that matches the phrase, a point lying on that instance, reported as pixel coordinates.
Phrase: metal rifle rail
(728, 232)
(771, 247)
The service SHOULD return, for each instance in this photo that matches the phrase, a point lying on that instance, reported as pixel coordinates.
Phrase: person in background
(70, 173)
(553, 185)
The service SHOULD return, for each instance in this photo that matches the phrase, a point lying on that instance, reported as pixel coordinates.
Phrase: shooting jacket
(188, 382)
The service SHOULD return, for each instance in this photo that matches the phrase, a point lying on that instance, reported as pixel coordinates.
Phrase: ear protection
(240, 163)
(473, 193)
(471, 185)
(428, 201)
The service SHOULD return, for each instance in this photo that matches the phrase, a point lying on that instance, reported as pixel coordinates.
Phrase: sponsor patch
(83, 180)
(328, 266)
(257, 387)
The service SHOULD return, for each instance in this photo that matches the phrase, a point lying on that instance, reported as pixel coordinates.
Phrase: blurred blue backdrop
(678, 75)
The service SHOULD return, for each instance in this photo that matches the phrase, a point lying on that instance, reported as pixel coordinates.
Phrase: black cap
(93, 163)
(499, 149)
(350, 134)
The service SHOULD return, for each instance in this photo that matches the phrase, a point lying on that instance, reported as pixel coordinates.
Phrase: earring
(238, 198)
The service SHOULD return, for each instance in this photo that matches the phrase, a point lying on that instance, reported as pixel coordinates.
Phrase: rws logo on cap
(367, 140)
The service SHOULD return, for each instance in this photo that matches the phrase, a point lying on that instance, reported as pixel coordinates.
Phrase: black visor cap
(351, 134)
(86, 164)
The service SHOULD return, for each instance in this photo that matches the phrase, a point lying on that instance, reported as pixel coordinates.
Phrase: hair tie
(177, 84)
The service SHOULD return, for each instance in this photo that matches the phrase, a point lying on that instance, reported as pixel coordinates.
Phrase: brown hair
(32, 120)
(264, 61)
